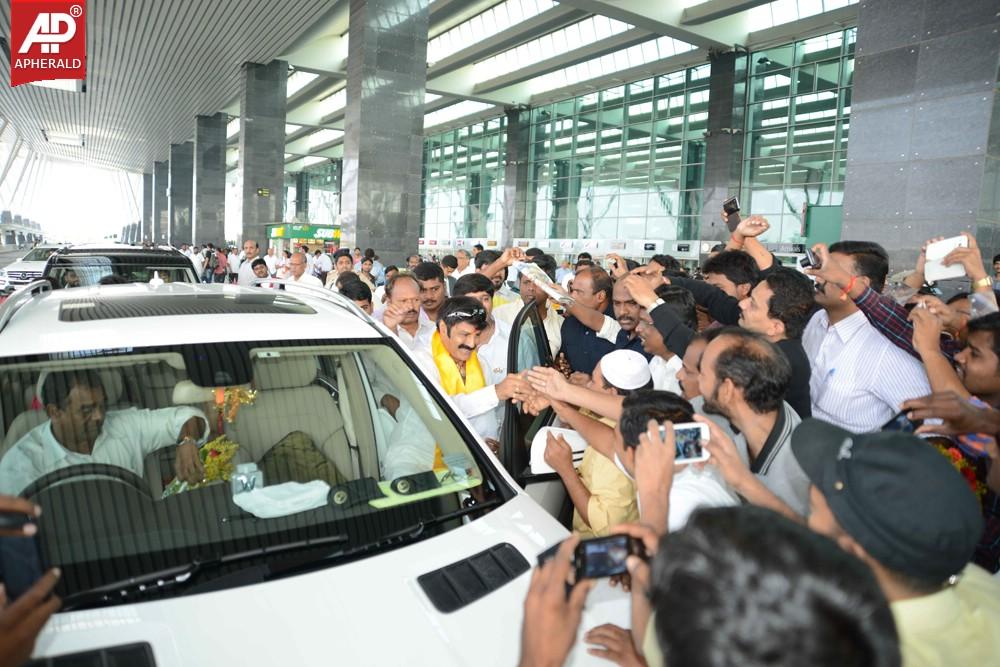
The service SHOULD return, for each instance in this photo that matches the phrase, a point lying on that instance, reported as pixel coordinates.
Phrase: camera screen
(688, 443)
(604, 557)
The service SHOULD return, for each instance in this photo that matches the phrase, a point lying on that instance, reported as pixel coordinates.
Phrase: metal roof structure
(154, 66)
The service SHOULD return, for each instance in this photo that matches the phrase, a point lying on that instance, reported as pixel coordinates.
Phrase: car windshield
(38, 255)
(86, 271)
(92, 437)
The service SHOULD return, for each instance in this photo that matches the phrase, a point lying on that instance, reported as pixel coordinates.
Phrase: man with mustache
(621, 330)
(402, 313)
(454, 345)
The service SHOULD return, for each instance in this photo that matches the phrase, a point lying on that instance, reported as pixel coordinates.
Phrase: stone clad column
(924, 152)
(723, 148)
(146, 229)
(516, 198)
(179, 201)
(209, 210)
(262, 146)
(383, 144)
(161, 176)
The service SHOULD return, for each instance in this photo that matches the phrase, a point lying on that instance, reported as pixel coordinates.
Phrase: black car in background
(85, 265)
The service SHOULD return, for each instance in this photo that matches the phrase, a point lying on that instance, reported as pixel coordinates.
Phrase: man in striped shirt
(859, 378)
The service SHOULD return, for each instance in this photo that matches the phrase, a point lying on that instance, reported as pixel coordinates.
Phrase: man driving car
(81, 430)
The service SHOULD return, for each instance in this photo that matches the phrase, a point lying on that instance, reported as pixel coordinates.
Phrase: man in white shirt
(250, 252)
(465, 266)
(198, 261)
(297, 275)
(80, 430)
(859, 379)
(664, 364)
(551, 321)
(401, 314)
(271, 261)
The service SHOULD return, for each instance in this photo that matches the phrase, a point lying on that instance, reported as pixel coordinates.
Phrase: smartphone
(689, 438)
(901, 423)
(810, 260)
(934, 269)
(605, 556)
(732, 208)
(20, 564)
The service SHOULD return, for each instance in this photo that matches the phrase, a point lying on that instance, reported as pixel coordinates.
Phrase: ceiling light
(63, 138)
(69, 85)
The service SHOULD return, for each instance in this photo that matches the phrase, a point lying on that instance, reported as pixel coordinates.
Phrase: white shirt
(199, 264)
(552, 322)
(246, 276)
(470, 269)
(127, 437)
(272, 263)
(234, 262)
(665, 373)
(419, 342)
(693, 489)
(323, 264)
(305, 280)
(859, 379)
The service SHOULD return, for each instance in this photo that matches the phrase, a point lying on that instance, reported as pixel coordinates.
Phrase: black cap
(895, 495)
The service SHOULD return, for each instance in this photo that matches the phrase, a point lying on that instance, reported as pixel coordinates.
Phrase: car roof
(140, 315)
(117, 248)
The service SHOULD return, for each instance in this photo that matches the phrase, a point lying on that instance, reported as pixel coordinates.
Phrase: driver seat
(111, 380)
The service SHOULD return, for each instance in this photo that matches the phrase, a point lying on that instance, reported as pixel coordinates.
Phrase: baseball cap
(625, 369)
(895, 495)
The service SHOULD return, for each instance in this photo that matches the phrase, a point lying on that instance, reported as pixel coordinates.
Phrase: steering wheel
(100, 470)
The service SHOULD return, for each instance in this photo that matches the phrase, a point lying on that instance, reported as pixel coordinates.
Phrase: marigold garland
(966, 469)
(217, 457)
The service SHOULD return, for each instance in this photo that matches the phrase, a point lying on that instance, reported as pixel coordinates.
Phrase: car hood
(370, 612)
(20, 265)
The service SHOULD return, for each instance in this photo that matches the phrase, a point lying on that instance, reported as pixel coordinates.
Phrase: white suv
(426, 564)
(27, 269)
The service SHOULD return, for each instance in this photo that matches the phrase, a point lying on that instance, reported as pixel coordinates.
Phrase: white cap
(625, 369)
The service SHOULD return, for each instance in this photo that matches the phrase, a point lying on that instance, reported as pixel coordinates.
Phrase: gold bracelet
(983, 282)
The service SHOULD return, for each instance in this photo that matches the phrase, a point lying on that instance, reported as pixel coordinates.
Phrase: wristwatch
(186, 439)
(653, 306)
(983, 282)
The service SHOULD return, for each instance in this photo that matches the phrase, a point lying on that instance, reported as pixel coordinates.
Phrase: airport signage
(48, 40)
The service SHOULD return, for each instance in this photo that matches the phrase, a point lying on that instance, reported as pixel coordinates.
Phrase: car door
(528, 347)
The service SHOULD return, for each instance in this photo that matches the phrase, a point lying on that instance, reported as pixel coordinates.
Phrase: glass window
(355, 417)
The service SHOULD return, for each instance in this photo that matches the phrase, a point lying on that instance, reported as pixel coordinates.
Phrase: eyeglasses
(466, 314)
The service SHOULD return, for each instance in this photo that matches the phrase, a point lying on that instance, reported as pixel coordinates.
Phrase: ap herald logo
(48, 40)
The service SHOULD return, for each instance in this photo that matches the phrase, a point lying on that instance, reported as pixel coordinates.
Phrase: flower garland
(963, 466)
(217, 457)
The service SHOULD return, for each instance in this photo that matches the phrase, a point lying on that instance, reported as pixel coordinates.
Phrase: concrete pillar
(723, 148)
(262, 146)
(302, 196)
(384, 140)
(209, 212)
(180, 199)
(516, 198)
(161, 175)
(145, 231)
(924, 152)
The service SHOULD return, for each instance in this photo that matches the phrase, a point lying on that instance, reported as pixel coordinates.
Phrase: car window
(83, 272)
(93, 438)
(38, 255)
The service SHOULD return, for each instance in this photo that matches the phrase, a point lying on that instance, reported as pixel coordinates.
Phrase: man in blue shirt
(583, 347)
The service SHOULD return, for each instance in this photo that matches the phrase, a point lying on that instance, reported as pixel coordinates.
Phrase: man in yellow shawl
(460, 322)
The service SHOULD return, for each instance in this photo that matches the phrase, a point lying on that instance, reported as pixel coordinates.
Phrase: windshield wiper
(406, 535)
(125, 590)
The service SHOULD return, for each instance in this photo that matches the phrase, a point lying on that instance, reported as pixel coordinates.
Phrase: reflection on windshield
(138, 468)
(38, 255)
(106, 273)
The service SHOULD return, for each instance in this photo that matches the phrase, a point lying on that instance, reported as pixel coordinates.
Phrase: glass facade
(463, 182)
(625, 162)
(798, 121)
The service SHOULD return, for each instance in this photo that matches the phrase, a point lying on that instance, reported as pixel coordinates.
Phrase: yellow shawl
(451, 379)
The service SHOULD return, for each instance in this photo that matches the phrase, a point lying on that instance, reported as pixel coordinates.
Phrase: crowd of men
(821, 530)
(848, 512)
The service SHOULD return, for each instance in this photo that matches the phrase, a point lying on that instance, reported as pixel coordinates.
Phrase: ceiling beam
(716, 9)
(664, 18)
(568, 59)
(525, 31)
(811, 26)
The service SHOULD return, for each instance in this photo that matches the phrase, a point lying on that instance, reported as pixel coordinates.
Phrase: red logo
(48, 40)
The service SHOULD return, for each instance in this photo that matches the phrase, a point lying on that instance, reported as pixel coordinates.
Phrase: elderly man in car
(80, 429)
